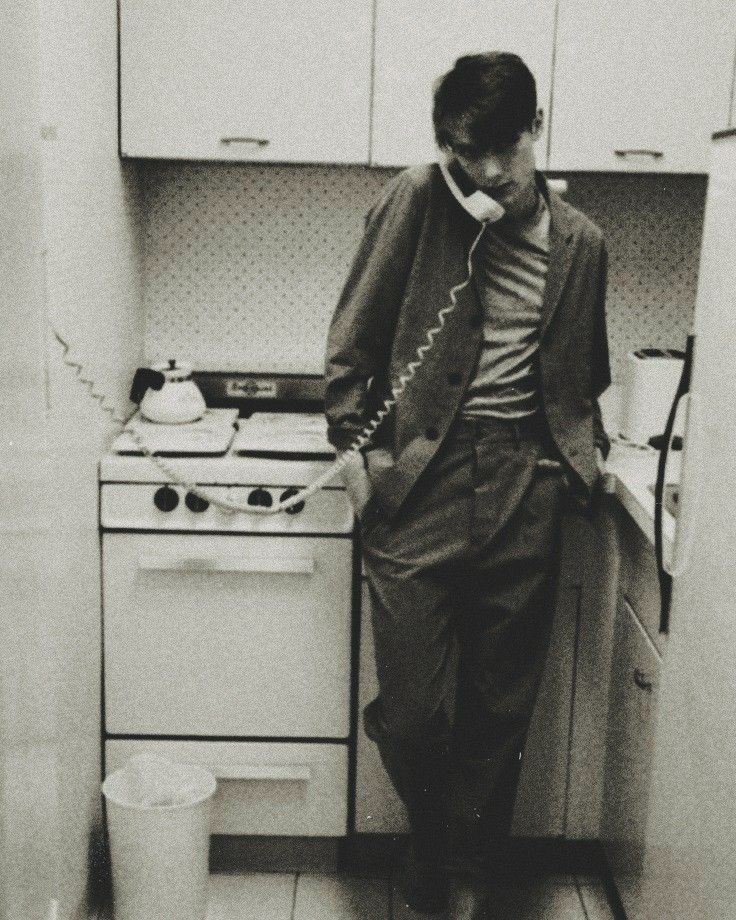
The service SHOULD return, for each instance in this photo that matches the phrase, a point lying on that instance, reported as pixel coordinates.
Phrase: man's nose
(491, 169)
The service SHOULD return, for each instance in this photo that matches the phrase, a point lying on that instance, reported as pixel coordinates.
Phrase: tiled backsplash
(244, 263)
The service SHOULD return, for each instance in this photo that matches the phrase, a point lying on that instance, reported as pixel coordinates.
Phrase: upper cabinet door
(246, 80)
(640, 85)
(418, 40)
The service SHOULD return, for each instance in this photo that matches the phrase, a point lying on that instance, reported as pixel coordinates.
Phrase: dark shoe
(423, 885)
(468, 898)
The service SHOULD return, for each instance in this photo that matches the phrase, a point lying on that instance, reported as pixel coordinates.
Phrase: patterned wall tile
(653, 225)
(244, 263)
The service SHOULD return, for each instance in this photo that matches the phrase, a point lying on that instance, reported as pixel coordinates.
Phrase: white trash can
(158, 816)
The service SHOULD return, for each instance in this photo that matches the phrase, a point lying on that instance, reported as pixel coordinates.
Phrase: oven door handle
(260, 564)
(274, 773)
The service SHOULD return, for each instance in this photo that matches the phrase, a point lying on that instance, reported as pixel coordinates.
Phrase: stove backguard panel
(243, 263)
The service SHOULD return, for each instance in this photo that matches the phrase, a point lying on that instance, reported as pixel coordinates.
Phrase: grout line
(293, 896)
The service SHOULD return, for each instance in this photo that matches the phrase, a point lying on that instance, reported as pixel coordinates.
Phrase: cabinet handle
(258, 141)
(171, 562)
(655, 154)
(641, 680)
(275, 773)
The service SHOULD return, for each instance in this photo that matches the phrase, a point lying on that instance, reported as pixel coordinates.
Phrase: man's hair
(492, 97)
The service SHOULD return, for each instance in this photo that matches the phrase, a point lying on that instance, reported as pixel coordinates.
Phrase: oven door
(226, 635)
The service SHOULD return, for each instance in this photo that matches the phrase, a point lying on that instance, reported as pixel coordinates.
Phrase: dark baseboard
(274, 854)
(379, 854)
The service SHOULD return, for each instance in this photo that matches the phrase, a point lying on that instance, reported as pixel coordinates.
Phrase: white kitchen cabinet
(598, 556)
(227, 80)
(219, 635)
(630, 744)
(640, 86)
(417, 41)
(378, 808)
(638, 580)
(271, 788)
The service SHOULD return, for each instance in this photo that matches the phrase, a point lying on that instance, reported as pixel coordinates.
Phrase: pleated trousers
(462, 584)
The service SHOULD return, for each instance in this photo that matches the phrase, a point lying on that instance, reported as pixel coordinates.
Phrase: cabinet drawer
(226, 635)
(639, 582)
(267, 788)
(378, 808)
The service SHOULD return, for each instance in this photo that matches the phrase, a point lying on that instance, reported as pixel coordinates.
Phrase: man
(461, 492)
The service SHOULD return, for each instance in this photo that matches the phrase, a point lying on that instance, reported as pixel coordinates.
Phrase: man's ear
(538, 124)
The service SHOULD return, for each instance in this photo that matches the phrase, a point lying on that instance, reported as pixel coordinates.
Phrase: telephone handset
(484, 209)
(477, 203)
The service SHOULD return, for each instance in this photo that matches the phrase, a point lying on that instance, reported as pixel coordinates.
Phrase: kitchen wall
(69, 255)
(243, 263)
(27, 704)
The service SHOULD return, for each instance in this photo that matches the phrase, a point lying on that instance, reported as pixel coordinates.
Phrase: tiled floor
(306, 896)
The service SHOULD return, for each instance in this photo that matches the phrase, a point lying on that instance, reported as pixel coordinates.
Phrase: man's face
(507, 174)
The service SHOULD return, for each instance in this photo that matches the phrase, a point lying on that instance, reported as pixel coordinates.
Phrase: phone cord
(363, 439)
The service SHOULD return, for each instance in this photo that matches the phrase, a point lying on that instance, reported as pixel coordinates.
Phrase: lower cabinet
(587, 763)
(378, 809)
(263, 788)
(636, 668)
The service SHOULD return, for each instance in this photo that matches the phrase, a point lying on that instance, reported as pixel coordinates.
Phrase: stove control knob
(295, 509)
(195, 503)
(260, 497)
(166, 498)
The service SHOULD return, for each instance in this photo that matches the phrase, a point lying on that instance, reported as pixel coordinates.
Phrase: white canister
(651, 376)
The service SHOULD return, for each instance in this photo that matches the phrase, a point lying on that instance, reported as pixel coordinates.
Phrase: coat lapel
(562, 246)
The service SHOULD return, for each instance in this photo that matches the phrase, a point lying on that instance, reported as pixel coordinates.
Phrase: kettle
(167, 394)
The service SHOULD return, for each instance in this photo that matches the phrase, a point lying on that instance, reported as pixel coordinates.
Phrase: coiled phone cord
(362, 440)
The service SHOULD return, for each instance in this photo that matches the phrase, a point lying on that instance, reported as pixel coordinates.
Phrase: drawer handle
(655, 154)
(641, 680)
(257, 141)
(275, 565)
(275, 773)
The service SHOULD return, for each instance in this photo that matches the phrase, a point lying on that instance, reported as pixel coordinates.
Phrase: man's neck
(529, 205)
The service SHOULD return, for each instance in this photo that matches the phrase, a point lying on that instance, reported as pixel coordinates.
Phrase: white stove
(255, 460)
(227, 636)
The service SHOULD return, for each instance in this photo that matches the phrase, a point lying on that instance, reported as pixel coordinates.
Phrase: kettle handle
(145, 378)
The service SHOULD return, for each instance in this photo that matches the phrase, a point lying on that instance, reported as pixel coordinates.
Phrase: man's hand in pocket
(357, 483)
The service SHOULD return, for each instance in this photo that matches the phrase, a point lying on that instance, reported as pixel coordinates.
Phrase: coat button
(431, 433)
(454, 378)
